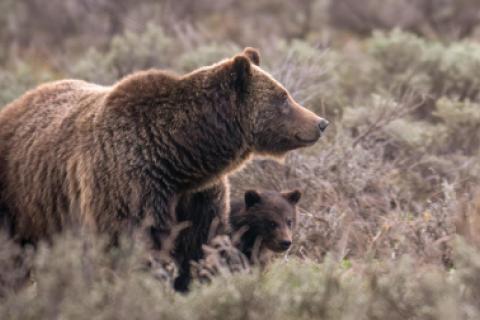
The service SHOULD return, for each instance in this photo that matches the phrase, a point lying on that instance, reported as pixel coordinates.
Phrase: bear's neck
(196, 127)
(218, 133)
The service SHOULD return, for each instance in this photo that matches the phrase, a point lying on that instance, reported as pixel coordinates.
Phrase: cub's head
(276, 122)
(272, 216)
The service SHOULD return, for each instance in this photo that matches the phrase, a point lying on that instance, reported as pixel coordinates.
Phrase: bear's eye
(289, 223)
(284, 96)
(272, 224)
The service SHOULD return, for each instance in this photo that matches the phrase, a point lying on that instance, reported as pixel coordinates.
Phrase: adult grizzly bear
(113, 158)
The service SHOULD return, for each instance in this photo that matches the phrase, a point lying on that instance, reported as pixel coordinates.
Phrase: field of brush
(389, 224)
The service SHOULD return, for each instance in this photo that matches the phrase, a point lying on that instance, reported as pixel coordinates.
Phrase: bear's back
(41, 101)
(47, 110)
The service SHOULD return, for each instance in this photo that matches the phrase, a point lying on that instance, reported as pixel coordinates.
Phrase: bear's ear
(293, 196)
(252, 198)
(242, 72)
(253, 55)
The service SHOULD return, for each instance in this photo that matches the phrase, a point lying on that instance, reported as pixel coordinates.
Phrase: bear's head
(277, 123)
(271, 216)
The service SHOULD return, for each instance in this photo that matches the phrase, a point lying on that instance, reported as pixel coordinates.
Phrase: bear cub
(264, 222)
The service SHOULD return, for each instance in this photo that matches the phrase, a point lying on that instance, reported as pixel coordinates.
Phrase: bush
(412, 63)
(204, 55)
(127, 53)
(447, 19)
(76, 278)
(20, 78)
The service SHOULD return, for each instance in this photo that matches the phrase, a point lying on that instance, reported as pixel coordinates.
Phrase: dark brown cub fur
(202, 210)
(265, 221)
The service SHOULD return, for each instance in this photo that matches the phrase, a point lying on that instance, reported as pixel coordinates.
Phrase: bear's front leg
(207, 211)
(161, 221)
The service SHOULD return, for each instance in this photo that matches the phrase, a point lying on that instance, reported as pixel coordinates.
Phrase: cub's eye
(272, 224)
(289, 223)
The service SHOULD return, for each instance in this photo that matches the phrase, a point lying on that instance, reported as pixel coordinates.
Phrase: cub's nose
(323, 124)
(285, 244)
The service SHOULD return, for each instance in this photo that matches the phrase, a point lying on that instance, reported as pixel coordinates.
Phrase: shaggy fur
(207, 211)
(113, 158)
(264, 221)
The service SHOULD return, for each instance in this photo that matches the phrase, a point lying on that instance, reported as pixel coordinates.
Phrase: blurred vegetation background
(390, 217)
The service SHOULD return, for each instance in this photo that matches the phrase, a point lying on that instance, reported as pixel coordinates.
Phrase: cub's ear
(253, 55)
(242, 72)
(251, 198)
(293, 196)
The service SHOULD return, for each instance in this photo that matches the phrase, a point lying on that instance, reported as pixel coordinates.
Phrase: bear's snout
(308, 126)
(285, 244)
(310, 134)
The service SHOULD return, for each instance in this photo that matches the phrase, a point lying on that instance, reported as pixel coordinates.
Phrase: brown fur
(112, 158)
(265, 221)
(207, 211)
(277, 139)
(202, 209)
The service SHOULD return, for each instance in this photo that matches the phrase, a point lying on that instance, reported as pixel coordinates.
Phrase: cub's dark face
(272, 216)
(278, 123)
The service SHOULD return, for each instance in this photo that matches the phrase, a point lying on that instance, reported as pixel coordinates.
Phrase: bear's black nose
(285, 244)
(323, 124)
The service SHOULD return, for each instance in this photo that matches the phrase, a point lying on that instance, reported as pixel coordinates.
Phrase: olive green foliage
(19, 78)
(77, 278)
(388, 192)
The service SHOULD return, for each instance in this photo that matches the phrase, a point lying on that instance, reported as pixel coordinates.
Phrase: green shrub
(127, 53)
(77, 279)
(204, 55)
(460, 124)
(19, 78)
(409, 62)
